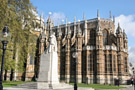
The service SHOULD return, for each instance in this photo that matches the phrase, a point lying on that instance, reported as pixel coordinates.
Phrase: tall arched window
(92, 37)
(105, 37)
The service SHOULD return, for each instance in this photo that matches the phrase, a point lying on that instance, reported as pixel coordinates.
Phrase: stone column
(92, 67)
(119, 65)
(115, 73)
(59, 53)
(112, 72)
(88, 63)
(79, 59)
(100, 58)
(67, 66)
(107, 73)
(116, 64)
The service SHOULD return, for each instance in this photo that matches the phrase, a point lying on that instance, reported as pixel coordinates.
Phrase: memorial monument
(48, 72)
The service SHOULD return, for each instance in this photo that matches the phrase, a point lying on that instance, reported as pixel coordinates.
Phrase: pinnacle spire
(83, 16)
(110, 15)
(45, 28)
(49, 18)
(41, 14)
(66, 21)
(98, 13)
(114, 19)
(79, 29)
(41, 20)
(118, 24)
(75, 19)
(58, 22)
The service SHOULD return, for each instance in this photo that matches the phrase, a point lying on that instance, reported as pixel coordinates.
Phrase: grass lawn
(95, 86)
(12, 83)
(98, 86)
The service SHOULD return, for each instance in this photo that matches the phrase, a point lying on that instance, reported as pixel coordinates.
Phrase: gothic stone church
(102, 51)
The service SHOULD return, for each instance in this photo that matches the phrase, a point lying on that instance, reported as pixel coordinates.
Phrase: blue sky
(123, 10)
(73, 8)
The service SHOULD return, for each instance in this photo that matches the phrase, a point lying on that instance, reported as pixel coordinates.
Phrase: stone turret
(120, 49)
(119, 35)
(119, 30)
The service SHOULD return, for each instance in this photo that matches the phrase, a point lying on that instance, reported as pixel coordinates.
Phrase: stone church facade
(102, 50)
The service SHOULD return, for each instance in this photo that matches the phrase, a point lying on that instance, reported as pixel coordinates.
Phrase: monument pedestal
(43, 85)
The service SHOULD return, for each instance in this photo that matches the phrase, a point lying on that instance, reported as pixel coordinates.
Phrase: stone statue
(48, 70)
(53, 44)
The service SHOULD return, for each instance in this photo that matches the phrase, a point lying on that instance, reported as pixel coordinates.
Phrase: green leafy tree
(18, 16)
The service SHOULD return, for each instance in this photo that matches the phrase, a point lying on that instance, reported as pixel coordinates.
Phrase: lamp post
(75, 54)
(133, 77)
(4, 38)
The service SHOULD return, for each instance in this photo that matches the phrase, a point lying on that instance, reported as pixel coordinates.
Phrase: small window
(105, 37)
(92, 37)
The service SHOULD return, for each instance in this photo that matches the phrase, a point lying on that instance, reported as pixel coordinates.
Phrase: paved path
(129, 88)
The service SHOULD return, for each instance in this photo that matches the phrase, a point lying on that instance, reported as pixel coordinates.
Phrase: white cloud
(132, 55)
(127, 23)
(55, 16)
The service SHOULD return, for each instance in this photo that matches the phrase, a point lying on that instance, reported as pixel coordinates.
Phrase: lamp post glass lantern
(75, 55)
(4, 38)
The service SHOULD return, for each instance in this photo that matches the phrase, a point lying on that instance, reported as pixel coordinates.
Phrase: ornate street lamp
(4, 38)
(133, 77)
(75, 55)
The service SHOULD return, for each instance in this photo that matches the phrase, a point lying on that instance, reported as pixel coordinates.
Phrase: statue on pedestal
(48, 70)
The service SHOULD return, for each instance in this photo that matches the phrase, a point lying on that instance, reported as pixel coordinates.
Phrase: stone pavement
(129, 87)
(80, 88)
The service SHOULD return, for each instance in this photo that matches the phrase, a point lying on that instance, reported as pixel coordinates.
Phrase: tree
(18, 16)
